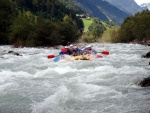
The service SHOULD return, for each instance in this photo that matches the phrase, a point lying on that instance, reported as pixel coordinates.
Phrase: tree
(96, 28)
(22, 28)
(136, 27)
(37, 23)
(125, 33)
(69, 31)
(111, 35)
(7, 13)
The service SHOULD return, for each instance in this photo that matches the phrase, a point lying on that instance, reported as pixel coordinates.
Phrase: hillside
(88, 22)
(128, 6)
(102, 9)
(38, 23)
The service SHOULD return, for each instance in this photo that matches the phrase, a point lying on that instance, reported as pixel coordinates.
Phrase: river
(32, 83)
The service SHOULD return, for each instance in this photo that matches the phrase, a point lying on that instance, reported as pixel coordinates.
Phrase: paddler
(70, 50)
(89, 50)
(76, 51)
(63, 50)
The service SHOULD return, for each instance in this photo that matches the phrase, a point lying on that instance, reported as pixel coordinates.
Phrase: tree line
(134, 28)
(38, 23)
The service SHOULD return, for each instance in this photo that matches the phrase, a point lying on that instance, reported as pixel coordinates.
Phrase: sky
(139, 2)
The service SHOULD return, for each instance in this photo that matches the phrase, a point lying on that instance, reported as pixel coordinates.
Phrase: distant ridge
(102, 9)
(128, 6)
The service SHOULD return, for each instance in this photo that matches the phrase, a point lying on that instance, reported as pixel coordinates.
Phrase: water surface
(31, 83)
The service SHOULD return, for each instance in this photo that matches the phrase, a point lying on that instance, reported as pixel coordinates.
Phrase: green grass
(107, 26)
(86, 23)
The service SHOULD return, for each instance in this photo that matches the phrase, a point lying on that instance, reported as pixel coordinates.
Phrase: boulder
(147, 55)
(14, 53)
(10, 51)
(145, 82)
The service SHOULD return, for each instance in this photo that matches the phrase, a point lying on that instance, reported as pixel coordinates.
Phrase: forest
(38, 23)
(135, 28)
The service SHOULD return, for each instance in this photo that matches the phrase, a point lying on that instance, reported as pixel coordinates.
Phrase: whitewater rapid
(32, 83)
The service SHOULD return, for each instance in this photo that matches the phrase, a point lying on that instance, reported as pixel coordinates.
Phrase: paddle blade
(99, 56)
(50, 56)
(105, 52)
(56, 59)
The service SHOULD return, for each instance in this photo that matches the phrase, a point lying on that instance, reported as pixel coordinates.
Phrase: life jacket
(76, 52)
(63, 51)
(70, 52)
(89, 51)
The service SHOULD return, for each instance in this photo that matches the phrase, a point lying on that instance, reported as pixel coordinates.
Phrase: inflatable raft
(82, 57)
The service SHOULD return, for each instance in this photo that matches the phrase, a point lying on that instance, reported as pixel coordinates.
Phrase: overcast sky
(142, 1)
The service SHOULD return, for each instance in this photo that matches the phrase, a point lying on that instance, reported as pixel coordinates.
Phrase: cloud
(139, 2)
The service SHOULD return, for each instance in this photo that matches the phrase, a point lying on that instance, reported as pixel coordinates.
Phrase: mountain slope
(102, 9)
(128, 6)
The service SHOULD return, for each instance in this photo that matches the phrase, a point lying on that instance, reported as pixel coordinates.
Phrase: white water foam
(31, 83)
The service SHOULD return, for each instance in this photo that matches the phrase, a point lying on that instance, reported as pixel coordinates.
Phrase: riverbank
(147, 42)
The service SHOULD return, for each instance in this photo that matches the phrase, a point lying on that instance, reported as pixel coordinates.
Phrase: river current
(32, 83)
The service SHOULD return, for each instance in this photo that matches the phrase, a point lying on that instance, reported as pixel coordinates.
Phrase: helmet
(66, 46)
(70, 45)
(88, 46)
(75, 47)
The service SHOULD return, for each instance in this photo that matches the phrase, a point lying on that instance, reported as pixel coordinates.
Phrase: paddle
(56, 59)
(51, 56)
(99, 56)
(104, 52)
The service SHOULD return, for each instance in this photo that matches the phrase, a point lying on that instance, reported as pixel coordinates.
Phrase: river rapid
(32, 83)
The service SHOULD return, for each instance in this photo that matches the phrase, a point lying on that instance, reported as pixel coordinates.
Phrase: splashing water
(31, 83)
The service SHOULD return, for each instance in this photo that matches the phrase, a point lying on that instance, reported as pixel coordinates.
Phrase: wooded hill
(135, 29)
(38, 23)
